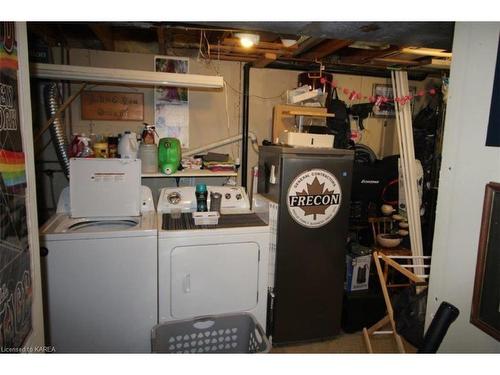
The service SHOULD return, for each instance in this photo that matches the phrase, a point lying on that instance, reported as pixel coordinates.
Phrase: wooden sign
(114, 106)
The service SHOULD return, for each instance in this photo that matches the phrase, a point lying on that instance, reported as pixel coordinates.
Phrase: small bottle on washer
(201, 198)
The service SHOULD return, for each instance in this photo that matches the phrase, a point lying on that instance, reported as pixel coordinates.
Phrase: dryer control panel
(234, 199)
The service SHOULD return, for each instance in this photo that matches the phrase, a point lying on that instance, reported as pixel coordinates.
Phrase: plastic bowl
(389, 240)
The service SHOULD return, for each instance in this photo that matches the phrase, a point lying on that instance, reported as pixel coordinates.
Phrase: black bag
(409, 314)
(339, 124)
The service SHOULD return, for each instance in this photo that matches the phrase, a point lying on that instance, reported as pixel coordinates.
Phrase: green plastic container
(169, 155)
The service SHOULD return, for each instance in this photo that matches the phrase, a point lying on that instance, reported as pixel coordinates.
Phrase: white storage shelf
(192, 173)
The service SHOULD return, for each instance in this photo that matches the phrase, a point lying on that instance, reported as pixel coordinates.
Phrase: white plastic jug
(128, 146)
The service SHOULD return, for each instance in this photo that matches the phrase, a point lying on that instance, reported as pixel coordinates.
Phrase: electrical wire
(208, 44)
(257, 96)
(210, 66)
(227, 118)
(200, 52)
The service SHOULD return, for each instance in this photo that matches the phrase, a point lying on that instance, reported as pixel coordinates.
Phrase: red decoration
(355, 135)
(377, 100)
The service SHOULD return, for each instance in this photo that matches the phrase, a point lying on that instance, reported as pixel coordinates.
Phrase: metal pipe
(222, 142)
(244, 143)
(57, 130)
(343, 69)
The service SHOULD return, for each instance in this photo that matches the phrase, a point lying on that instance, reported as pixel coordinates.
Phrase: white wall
(467, 166)
(207, 109)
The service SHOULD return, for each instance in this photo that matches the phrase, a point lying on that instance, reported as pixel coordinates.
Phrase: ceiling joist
(105, 35)
(309, 49)
(266, 60)
(326, 48)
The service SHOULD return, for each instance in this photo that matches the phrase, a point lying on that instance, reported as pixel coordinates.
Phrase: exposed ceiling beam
(162, 49)
(436, 64)
(239, 58)
(105, 35)
(307, 44)
(358, 56)
(421, 34)
(47, 34)
(253, 50)
(393, 61)
(264, 45)
(426, 52)
(266, 60)
(326, 48)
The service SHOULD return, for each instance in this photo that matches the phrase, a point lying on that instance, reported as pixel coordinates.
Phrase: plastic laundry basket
(226, 333)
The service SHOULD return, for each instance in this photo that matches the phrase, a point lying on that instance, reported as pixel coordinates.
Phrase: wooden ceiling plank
(47, 34)
(162, 48)
(396, 61)
(326, 48)
(105, 35)
(426, 52)
(242, 50)
(266, 60)
(306, 45)
(265, 45)
(432, 63)
(237, 58)
(364, 55)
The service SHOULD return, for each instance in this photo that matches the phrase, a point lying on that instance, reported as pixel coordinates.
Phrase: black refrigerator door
(312, 231)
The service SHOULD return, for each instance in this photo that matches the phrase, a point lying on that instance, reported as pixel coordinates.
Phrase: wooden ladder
(418, 280)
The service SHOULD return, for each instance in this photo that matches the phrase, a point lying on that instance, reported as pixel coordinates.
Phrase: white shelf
(127, 76)
(192, 173)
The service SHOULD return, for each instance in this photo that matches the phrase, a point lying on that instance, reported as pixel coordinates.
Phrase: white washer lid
(109, 225)
(105, 187)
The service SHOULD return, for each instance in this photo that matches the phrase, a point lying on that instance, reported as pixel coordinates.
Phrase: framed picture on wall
(387, 109)
(485, 312)
(493, 134)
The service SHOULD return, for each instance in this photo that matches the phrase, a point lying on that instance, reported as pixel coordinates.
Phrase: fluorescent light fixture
(248, 40)
(288, 42)
(124, 76)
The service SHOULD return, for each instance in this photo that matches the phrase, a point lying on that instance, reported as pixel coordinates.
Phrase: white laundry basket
(225, 333)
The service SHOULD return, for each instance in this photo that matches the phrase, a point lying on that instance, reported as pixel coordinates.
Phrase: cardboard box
(307, 139)
(358, 272)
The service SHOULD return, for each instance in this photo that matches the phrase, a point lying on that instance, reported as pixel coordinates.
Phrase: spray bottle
(86, 149)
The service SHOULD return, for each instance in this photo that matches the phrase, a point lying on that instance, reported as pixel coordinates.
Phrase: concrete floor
(346, 343)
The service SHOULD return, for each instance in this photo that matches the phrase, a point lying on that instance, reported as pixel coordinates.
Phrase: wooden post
(61, 109)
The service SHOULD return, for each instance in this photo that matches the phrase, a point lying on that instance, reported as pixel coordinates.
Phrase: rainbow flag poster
(12, 168)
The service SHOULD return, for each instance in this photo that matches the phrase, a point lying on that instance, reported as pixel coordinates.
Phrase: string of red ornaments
(378, 99)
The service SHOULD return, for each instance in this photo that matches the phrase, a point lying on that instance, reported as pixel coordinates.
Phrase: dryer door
(214, 278)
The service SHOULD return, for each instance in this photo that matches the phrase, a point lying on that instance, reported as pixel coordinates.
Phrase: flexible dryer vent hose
(57, 130)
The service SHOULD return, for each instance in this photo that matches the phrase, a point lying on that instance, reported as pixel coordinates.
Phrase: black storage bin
(362, 309)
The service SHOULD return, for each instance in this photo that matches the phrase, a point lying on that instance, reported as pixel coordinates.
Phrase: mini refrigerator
(310, 190)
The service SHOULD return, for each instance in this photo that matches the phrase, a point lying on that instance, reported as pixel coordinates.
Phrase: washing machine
(99, 257)
(211, 269)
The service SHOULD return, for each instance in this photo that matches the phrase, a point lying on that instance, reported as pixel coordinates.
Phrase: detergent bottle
(128, 146)
(169, 155)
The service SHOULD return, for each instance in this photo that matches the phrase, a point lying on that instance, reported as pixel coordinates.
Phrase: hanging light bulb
(248, 40)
